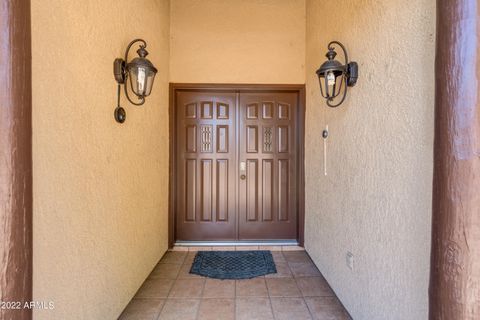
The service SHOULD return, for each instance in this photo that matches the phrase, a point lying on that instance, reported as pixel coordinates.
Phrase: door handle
(243, 168)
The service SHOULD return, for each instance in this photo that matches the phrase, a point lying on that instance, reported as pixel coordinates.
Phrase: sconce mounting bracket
(119, 70)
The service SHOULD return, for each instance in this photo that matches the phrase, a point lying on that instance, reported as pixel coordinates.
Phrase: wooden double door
(236, 164)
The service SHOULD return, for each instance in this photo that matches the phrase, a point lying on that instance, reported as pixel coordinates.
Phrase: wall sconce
(141, 73)
(333, 76)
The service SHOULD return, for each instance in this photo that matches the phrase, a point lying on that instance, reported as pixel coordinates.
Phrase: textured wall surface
(237, 41)
(100, 197)
(376, 199)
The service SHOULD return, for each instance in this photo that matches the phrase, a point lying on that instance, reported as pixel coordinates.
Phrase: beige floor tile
(297, 256)
(174, 257)
(292, 248)
(290, 308)
(166, 271)
(155, 288)
(195, 249)
(282, 287)
(190, 257)
(278, 256)
(142, 309)
(314, 287)
(180, 309)
(326, 308)
(229, 248)
(270, 248)
(217, 309)
(215, 288)
(187, 288)
(283, 271)
(255, 287)
(253, 309)
(185, 272)
(304, 269)
(246, 248)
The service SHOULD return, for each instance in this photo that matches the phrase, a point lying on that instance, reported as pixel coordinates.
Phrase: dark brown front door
(235, 166)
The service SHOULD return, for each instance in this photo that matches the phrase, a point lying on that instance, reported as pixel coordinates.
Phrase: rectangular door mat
(233, 264)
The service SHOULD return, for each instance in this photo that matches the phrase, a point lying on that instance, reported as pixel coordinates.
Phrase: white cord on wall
(325, 137)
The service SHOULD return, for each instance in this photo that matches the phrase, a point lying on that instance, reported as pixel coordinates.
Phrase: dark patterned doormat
(233, 264)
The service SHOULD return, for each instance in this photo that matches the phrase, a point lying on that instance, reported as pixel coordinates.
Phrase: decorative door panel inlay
(222, 111)
(252, 192)
(222, 190)
(283, 111)
(252, 139)
(190, 189)
(206, 141)
(283, 187)
(191, 137)
(191, 111)
(252, 111)
(267, 188)
(283, 139)
(268, 108)
(222, 139)
(267, 139)
(206, 189)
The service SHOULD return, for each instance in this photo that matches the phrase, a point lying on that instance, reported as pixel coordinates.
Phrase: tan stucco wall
(376, 199)
(100, 197)
(237, 41)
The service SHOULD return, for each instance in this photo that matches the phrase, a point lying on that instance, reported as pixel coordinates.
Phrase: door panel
(205, 162)
(267, 140)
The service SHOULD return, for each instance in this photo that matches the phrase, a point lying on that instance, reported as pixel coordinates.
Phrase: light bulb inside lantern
(141, 79)
(330, 79)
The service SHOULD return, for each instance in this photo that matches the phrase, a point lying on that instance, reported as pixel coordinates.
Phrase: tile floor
(297, 291)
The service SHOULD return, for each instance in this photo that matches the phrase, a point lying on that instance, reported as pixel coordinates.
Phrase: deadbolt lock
(243, 176)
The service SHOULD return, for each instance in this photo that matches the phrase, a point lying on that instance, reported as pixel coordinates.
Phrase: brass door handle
(243, 177)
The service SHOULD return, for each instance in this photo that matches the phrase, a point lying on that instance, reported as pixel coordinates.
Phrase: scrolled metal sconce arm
(124, 74)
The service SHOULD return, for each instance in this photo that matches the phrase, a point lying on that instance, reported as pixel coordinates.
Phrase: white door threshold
(272, 245)
(236, 243)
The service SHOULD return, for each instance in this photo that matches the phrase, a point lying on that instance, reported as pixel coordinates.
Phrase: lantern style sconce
(141, 73)
(334, 76)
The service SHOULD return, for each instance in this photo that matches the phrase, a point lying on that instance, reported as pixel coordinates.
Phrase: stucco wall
(237, 41)
(376, 199)
(100, 197)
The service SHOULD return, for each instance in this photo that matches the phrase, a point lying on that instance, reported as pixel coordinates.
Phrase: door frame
(238, 88)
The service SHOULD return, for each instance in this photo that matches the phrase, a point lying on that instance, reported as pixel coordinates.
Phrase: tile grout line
(201, 298)
(235, 300)
(308, 308)
(269, 298)
(170, 290)
(303, 297)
